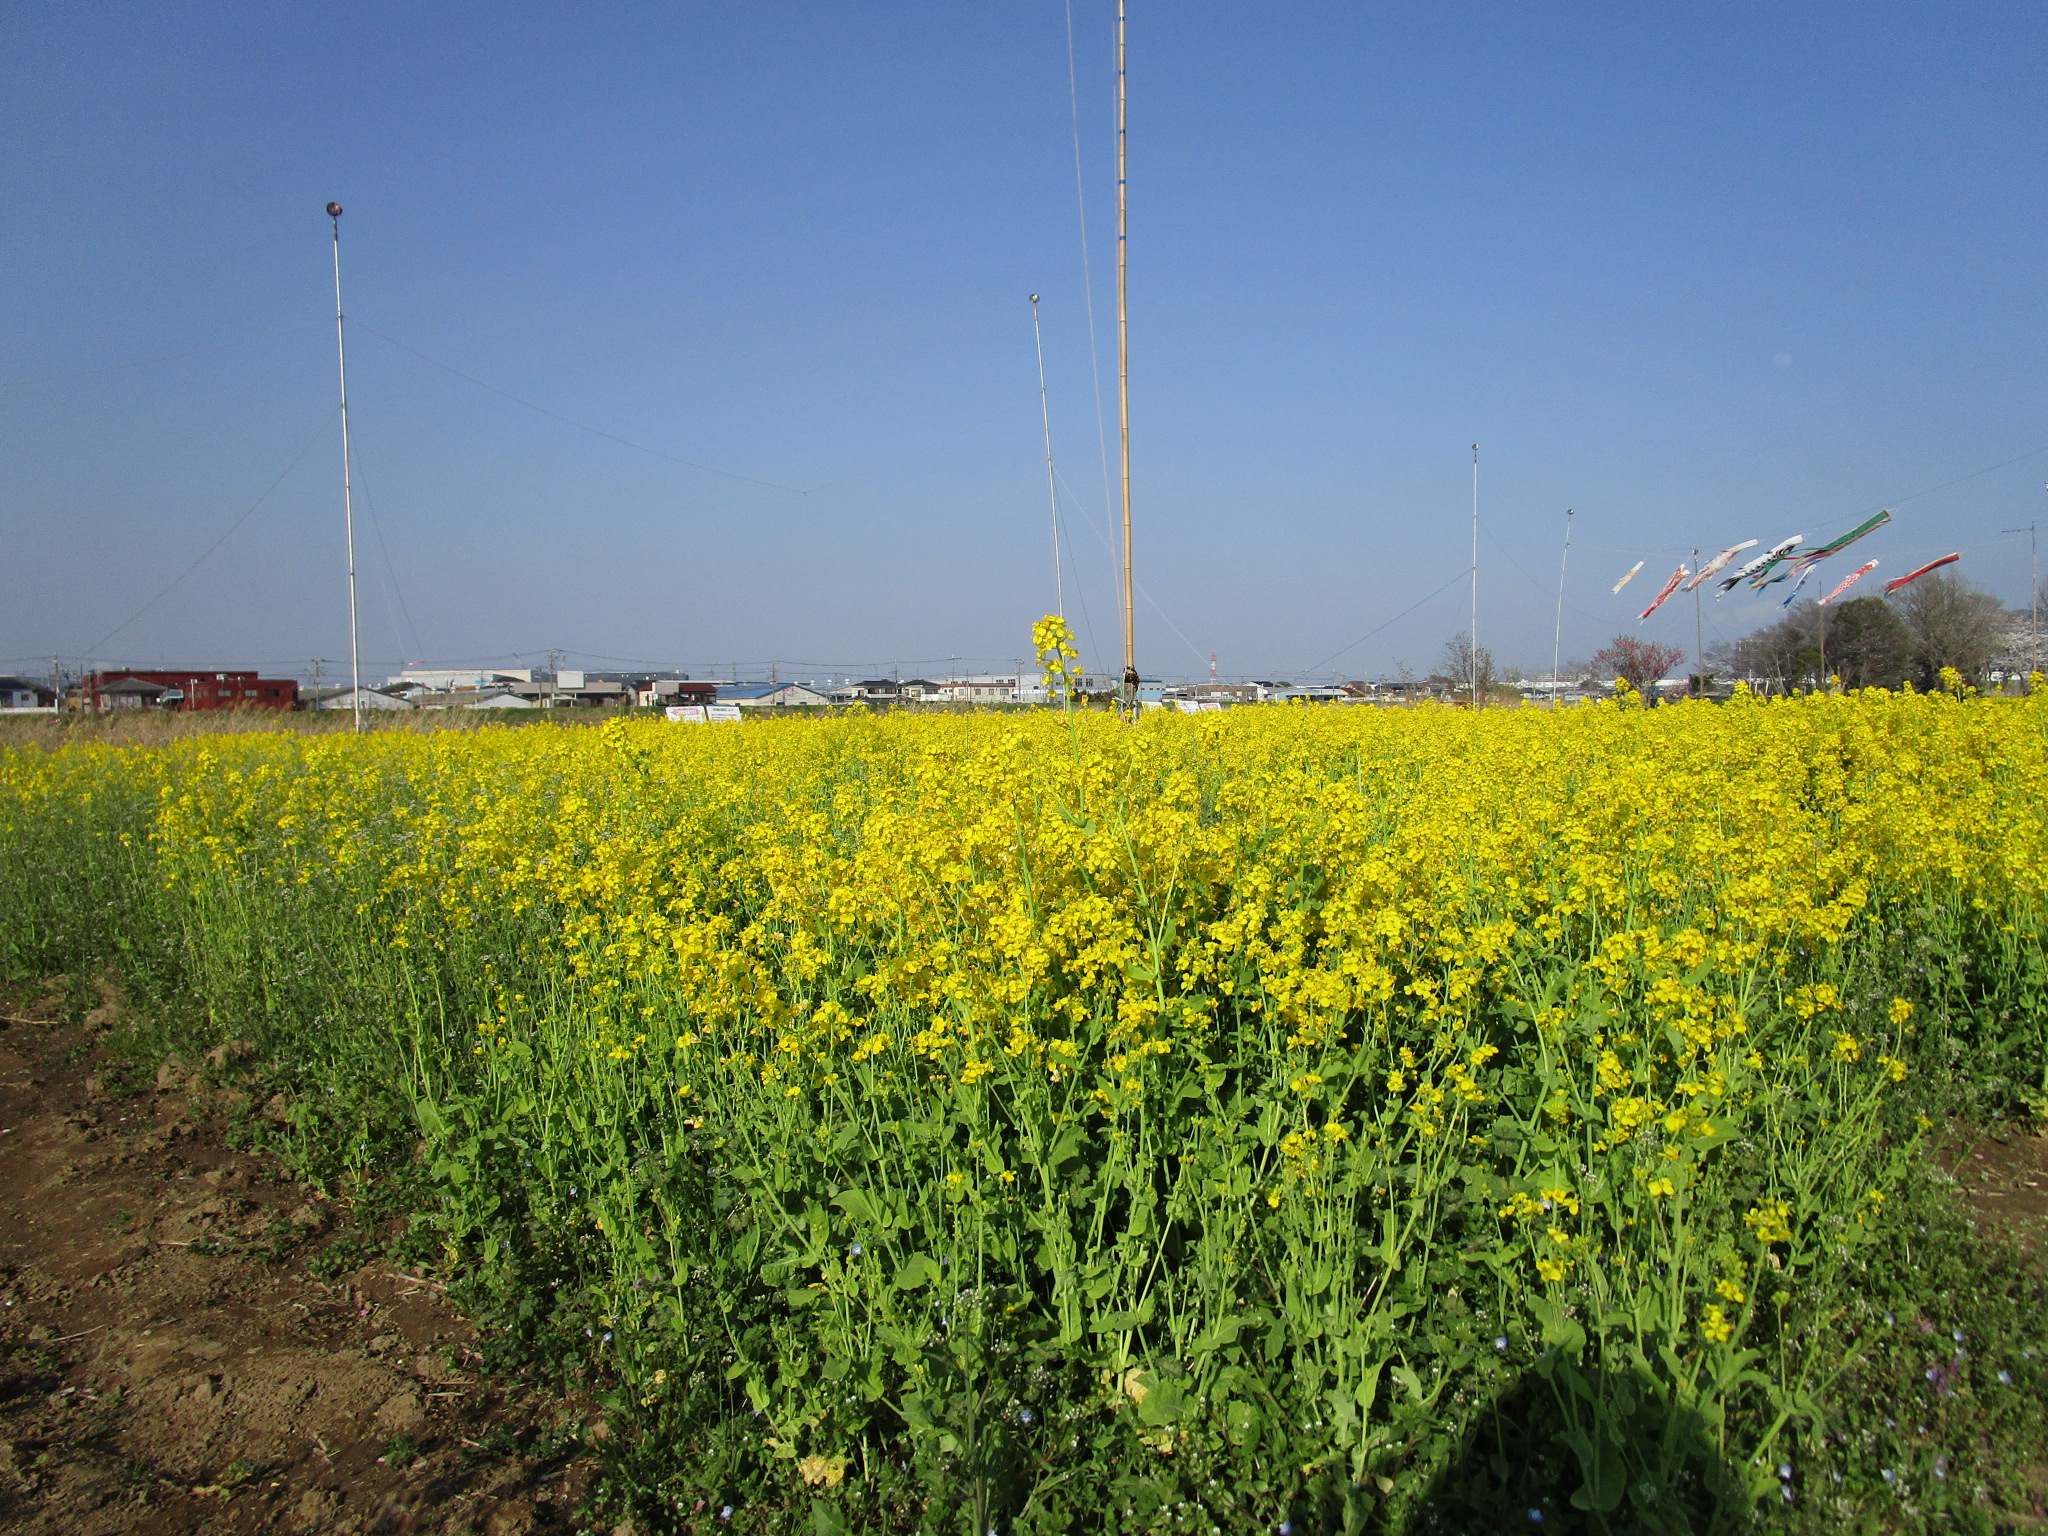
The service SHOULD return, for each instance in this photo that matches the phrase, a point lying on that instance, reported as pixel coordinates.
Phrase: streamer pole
(348, 503)
(1557, 634)
(1475, 576)
(1699, 637)
(1123, 354)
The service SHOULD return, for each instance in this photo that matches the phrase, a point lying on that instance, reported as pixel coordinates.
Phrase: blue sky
(1702, 273)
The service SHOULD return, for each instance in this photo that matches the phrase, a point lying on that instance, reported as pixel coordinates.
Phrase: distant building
(771, 695)
(454, 679)
(20, 693)
(185, 690)
(663, 691)
(371, 698)
(983, 688)
(873, 690)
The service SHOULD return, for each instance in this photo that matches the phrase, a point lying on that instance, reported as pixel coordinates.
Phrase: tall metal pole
(1699, 637)
(1123, 345)
(1557, 634)
(2033, 533)
(348, 496)
(1059, 587)
(1475, 576)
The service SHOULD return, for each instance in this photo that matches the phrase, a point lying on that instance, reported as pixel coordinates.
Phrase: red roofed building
(185, 689)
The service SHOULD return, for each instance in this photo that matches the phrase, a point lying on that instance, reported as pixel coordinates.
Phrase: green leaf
(1560, 1329)
(430, 1118)
(917, 1271)
(1220, 1334)
(1606, 1479)
(857, 1204)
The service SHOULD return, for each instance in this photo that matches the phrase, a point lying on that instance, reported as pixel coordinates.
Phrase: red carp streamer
(1849, 581)
(1663, 592)
(1932, 565)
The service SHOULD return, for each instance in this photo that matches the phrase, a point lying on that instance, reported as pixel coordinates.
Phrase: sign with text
(686, 714)
(716, 712)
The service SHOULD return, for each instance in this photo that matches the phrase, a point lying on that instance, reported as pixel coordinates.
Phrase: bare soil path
(170, 1364)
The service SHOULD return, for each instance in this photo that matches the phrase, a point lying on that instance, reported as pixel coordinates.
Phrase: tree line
(1883, 642)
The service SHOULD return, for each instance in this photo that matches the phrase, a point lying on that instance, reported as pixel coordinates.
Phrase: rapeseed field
(1287, 1118)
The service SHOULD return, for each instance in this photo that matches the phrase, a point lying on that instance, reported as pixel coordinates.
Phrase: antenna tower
(348, 502)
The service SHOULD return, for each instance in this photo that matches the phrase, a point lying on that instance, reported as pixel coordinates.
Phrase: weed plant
(1279, 1120)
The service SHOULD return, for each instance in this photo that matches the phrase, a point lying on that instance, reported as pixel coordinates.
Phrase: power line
(167, 358)
(672, 458)
(247, 512)
(1354, 645)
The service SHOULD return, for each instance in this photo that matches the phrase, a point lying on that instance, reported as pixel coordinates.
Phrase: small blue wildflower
(856, 1250)
(607, 1335)
(1285, 1528)
(1535, 1517)
(1501, 1342)
(1957, 1335)
(1890, 1476)
(1890, 1320)
(1026, 1416)
(725, 1513)
(2005, 1378)
(1785, 1471)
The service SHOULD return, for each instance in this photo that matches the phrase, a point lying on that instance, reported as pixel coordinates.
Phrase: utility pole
(1557, 634)
(2032, 531)
(1822, 685)
(1699, 640)
(348, 503)
(1474, 632)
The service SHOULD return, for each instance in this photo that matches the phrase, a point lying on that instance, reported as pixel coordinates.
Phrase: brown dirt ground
(168, 1364)
(2003, 1175)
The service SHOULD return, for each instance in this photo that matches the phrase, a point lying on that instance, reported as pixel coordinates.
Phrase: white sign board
(717, 712)
(685, 714)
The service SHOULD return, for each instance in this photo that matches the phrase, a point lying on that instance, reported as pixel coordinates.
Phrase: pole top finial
(334, 210)
(1034, 298)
